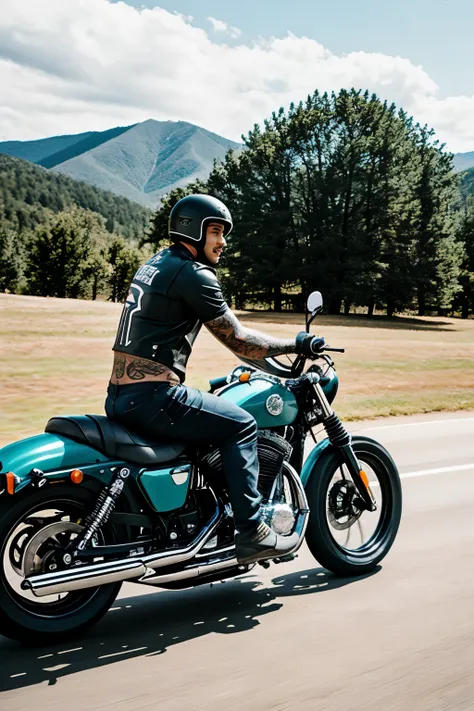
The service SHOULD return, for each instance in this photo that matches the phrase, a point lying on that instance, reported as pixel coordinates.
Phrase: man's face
(215, 242)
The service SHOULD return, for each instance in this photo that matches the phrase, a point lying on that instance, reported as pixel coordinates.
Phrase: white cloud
(81, 65)
(221, 26)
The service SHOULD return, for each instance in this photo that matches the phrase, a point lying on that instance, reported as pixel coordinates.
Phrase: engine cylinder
(273, 450)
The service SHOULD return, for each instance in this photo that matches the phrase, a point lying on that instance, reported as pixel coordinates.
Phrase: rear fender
(56, 457)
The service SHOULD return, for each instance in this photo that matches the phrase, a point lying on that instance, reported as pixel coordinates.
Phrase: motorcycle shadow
(148, 624)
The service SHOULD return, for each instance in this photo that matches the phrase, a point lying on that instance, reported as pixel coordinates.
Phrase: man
(170, 297)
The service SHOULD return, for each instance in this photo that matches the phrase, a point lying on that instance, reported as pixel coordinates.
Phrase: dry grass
(56, 356)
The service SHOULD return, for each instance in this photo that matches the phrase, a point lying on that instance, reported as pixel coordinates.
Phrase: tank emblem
(274, 405)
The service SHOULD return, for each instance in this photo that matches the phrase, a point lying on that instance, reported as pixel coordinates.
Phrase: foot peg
(286, 558)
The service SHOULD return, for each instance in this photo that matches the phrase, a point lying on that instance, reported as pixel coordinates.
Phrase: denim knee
(248, 430)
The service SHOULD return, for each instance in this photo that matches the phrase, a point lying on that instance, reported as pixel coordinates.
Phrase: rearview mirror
(315, 302)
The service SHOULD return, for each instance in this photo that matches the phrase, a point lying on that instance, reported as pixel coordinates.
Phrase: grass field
(55, 358)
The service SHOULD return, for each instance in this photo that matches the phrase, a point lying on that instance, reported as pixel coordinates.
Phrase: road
(293, 636)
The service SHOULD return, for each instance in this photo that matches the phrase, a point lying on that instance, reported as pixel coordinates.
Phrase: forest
(343, 193)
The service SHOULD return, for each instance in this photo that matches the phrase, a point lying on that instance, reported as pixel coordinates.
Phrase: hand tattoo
(246, 342)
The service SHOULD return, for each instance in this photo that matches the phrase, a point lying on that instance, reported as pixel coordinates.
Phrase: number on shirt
(132, 305)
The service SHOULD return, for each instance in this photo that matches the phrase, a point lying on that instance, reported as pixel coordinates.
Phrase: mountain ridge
(463, 161)
(141, 162)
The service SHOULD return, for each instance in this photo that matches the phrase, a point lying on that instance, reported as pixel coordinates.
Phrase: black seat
(114, 440)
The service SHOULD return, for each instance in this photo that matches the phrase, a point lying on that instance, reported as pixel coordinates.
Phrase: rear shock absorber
(100, 515)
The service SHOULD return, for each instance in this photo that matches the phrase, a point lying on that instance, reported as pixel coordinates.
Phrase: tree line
(72, 255)
(342, 193)
(345, 194)
(61, 237)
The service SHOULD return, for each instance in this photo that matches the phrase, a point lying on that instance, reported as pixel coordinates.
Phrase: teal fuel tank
(264, 397)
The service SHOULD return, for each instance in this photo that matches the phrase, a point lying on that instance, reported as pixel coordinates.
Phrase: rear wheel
(31, 529)
(342, 536)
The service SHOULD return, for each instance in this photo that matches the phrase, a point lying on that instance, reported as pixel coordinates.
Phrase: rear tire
(35, 622)
(323, 546)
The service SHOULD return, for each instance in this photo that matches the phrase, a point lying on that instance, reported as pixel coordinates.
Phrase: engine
(273, 451)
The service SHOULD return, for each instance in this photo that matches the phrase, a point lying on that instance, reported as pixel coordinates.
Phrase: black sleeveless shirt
(170, 297)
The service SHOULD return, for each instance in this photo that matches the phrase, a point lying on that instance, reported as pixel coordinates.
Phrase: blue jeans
(163, 411)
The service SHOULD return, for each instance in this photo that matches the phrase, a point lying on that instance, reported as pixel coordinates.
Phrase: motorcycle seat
(113, 439)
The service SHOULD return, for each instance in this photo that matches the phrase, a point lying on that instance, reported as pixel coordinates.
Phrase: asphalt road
(295, 637)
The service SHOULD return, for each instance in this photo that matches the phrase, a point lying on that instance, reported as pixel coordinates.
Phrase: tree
(12, 260)
(63, 252)
(464, 300)
(438, 256)
(124, 259)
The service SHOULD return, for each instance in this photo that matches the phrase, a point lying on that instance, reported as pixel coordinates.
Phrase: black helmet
(189, 218)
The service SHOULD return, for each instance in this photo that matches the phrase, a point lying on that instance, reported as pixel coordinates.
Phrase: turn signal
(10, 477)
(244, 377)
(76, 476)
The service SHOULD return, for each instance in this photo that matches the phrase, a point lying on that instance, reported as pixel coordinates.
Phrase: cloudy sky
(68, 66)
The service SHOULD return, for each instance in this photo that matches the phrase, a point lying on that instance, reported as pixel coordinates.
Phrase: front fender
(324, 450)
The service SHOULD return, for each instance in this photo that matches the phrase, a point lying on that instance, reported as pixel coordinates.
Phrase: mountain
(28, 194)
(140, 162)
(462, 161)
(467, 183)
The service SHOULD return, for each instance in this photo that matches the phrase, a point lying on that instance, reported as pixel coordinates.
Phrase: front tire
(38, 621)
(332, 508)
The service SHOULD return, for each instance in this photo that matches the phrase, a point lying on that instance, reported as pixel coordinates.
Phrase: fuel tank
(265, 398)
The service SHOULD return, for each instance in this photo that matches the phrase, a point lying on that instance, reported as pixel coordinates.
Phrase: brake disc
(342, 511)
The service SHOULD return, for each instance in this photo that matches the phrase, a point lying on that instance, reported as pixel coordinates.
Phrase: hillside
(140, 162)
(463, 161)
(28, 192)
(467, 183)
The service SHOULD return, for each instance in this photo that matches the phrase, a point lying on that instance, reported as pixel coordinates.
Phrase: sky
(68, 66)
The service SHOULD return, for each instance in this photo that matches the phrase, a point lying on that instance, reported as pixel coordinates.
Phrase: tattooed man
(170, 297)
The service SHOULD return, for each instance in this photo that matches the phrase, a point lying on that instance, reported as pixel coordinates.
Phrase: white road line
(417, 424)
(440, 470)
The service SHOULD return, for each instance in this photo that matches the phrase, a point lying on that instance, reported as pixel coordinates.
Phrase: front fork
(340, 438)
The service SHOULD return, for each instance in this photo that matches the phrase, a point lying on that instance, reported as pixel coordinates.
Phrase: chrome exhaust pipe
(96, 574)
(83, 576)
(194, 571)
(89, 576)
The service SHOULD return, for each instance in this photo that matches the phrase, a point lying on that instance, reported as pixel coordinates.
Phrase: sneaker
(263, 543)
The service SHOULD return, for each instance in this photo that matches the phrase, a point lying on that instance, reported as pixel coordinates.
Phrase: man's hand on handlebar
(308, 345)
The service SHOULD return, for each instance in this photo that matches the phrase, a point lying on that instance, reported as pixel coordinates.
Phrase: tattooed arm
(246, 342)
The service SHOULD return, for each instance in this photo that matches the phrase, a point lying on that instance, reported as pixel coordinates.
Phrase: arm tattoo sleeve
(245, 341)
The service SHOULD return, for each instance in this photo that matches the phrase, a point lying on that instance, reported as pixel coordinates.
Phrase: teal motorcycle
(89, 504)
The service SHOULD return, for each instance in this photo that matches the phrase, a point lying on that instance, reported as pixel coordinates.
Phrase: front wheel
(341, 535)
(31, 528)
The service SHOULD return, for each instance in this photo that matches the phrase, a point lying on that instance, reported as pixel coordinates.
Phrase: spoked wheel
(343, 536)
(31, 531)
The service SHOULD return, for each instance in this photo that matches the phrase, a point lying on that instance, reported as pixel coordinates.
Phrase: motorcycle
(89, 504)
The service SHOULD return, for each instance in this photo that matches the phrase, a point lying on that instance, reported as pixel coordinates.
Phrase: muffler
(193, 571)
(83, 576)
(89, 576)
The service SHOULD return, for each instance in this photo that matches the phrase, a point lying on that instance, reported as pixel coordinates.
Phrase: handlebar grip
(217, 383)
(335, 350)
